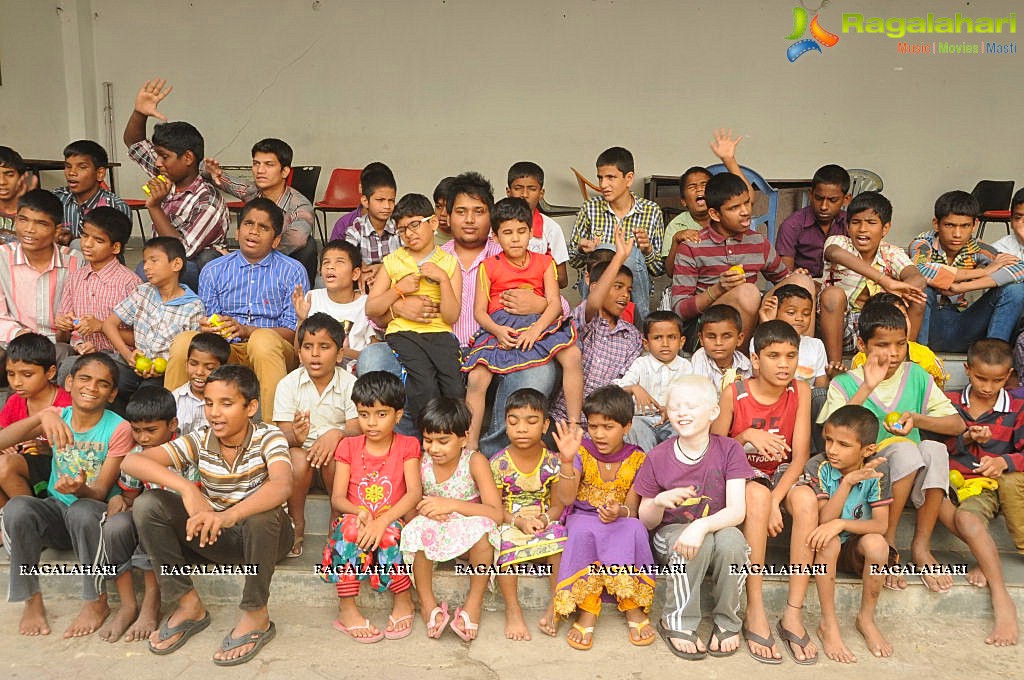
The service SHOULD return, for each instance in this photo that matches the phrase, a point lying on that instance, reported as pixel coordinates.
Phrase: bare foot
(251, 622)
(515, 624)
(147, 621)
(876, 642)
(937, 583)
(1004, 632)
(976, 577)
(757, 623)
(833, 644)
(33, 619)
(583, 620)
(794, 623)
(548, 623)
(646, 632)
(91, 617)
(113, 629)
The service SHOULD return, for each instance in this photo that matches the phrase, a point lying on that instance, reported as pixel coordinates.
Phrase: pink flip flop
(439, 618)
(361, 640)
(398, 634)
(467, 623)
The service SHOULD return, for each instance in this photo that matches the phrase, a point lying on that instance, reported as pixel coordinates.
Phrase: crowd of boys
(230, 380)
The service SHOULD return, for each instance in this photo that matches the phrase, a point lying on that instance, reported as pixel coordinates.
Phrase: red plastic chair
(994, 199)
(342, 195)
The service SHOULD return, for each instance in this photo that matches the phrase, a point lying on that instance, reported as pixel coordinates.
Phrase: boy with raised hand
(691, 490)
(271, 166)
(234, 516)
(990, 449)
(618, 207)
(181, 204)
(905, 400)
(801, 238)
(770, 416)
(859, 265)
(526, 181)
(854, 504)
(85, 168)
(313, 407)
(375, 232)
(953, 262)
(89, 443)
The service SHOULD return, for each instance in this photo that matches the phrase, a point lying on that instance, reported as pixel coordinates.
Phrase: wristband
(626, 507)
(710, 296)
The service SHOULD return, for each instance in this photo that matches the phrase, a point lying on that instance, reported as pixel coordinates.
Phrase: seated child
(153, 418)
(648, 378)
(343, 223)
(31, 368)
(341, 298)
(426, 349)
(720, 330)
(89, 443)
(596, 483)
(206, 353)
(990, 450)
(155, 312)
(691, 490)
(795, 306)
(375, 233)
(687, 225)
(85, 169)
(313, 407)
(888, 384)
(858, 266)
(525, 474)
(917, 353)
(14, 179)
(526, 181)
(235, 515)
(770, 416)
(854, 502)
(506, 342)
(457, 516)
(376, 484)
(800, 241)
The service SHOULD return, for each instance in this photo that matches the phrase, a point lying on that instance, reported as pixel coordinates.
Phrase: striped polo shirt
(224, 484)
(698, 265)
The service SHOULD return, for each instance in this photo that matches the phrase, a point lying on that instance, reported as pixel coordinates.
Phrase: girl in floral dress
(458, 515)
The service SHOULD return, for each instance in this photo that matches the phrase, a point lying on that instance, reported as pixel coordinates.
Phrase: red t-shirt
(376, 482)
(16, 407)
(778, 418)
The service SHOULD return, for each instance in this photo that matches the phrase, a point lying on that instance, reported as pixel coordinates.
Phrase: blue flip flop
(259, 637)
(187, 628)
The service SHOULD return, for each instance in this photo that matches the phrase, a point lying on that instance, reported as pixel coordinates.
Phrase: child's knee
(758, 498)
(13, 466)
(729, 545)
(874, 548)
(802, 500)
(968, 523)
(748, 298)
(832, 300)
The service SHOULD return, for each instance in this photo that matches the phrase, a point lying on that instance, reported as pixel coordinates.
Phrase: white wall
(433, 87)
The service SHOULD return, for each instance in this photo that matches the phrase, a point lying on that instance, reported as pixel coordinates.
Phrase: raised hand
(301, 303)
(568, 439)
(149, 97)
(724, 144)
(214, 170)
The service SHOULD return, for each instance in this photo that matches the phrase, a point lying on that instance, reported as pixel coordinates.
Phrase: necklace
(692, 460)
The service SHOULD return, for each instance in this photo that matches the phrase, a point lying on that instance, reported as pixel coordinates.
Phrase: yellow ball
(893, 418)
(738, 268)
(159, 365)
(143, 364)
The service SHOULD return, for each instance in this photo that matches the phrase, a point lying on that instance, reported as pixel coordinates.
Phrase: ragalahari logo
(820, 35)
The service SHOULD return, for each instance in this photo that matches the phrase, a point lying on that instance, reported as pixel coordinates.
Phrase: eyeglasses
(412, 226)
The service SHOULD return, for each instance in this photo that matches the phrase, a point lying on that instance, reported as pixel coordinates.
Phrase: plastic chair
(304, 180)
(864, 180)
(556, 210)
(761, 184)
(342, 195)
(994, 199)
(585, 184)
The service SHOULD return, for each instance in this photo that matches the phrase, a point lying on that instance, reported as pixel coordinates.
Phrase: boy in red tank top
(770, 415)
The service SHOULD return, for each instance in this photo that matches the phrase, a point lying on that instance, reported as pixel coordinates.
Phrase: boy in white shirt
(1014, 243)
(206, 353)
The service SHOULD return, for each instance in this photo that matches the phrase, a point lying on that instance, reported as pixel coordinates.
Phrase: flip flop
(259, 637)
(433, 622)
(893, 561)
(721, 634)
(582, 630)
(361, 640)
(467, 624)
(398, 634)
(764, 642)
(187, 628)
(688, 635)
(296, 550)
(639, 642)
(789, 638)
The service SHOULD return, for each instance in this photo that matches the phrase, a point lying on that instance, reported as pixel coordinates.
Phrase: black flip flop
(187, 628)
(688, 636)
(764, 642)
(789, 638)
(259, 637)
(721, 634)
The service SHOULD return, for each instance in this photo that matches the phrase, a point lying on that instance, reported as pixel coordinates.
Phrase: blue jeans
(994, 315)
(642, 287)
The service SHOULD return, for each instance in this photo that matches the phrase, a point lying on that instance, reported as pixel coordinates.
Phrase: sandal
(439, 618)
(257, 638)
(891, 563)
(467, 624)
(764, 642)
(789, 638)
(187, 628)
(296, 550)
(721, 634)
(688, 635)
(639, 641)
(582, 630)
(398, 634)
(339, 626)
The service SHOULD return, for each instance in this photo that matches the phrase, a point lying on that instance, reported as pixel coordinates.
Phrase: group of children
(133, 438)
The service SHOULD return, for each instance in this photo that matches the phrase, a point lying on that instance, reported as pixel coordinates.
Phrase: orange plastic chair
(342, 195)
(585, 184)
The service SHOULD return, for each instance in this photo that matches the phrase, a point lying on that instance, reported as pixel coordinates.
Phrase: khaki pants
(269, 355)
